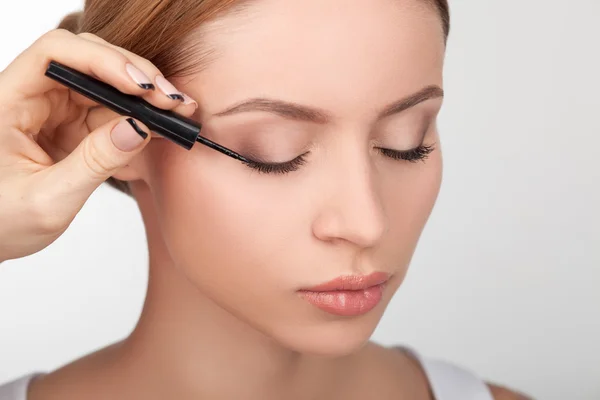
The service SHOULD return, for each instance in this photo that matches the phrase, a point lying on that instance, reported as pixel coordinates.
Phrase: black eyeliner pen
(175, 127)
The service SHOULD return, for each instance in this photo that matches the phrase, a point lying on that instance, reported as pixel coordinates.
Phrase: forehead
(339, 53)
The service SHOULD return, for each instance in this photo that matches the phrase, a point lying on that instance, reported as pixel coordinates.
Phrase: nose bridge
(355, 208)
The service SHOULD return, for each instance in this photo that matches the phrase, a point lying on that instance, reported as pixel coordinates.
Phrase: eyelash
(419, 153)
(278, 168)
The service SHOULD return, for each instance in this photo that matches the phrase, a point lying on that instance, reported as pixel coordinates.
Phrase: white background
(505, 279)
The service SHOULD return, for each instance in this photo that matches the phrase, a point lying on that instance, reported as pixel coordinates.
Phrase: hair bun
(71, 22)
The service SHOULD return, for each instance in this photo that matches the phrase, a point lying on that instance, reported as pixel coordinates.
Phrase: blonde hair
(156, 30)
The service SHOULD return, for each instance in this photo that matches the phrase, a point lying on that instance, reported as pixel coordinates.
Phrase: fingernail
(167, 88)
(127, 135)
(139, 77)
(188, 100)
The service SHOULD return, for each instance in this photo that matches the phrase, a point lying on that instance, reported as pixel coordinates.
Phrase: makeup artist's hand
(50, 159)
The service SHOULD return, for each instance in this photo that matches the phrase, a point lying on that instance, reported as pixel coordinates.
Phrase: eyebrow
(304, 113)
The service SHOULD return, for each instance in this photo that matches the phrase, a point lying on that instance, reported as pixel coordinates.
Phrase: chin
(334, 338)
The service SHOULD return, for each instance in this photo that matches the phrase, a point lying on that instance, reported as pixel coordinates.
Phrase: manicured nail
(188, 100)
(127, 135)
(139, 77)
(167, 88)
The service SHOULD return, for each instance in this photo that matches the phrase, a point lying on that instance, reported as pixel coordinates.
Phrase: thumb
(100, 155)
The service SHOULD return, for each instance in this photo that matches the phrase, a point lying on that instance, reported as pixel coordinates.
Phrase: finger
(101, 154)
(24, 77)
(68, 137)
(188, 107)
(167, 95)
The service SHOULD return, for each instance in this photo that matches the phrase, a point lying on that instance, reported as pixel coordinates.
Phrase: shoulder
(502, 393)
(383, 372)
(446, 379)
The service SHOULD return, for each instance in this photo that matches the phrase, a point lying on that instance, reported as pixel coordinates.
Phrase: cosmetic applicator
(168, 124)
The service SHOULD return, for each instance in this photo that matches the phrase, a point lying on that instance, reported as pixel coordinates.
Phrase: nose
(352, 211)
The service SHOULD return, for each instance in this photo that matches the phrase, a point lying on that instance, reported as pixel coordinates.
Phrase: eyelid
(259, 160)
(265, 144)
(427, 124)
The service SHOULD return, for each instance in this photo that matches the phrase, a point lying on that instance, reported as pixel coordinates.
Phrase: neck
(186, 346)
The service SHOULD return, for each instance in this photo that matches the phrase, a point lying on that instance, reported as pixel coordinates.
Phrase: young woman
(267, 278)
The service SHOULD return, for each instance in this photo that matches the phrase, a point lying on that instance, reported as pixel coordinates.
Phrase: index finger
(24, 77)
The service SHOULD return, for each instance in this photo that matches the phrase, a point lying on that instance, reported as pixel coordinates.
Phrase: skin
(229, 247)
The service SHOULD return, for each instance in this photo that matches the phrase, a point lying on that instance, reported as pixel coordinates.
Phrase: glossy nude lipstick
(349, 295)
(170, 125)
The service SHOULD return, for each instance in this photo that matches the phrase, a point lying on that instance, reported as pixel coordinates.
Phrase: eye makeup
(419, 153)
(413, 154)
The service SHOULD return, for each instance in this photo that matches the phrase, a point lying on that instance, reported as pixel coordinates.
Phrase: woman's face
(249, 238)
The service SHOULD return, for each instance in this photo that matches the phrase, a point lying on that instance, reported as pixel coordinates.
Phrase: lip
(349, 295)
(351, 282)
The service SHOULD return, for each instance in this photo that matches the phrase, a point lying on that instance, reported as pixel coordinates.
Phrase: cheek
(408, 204)
(414, 205)
(223, 224)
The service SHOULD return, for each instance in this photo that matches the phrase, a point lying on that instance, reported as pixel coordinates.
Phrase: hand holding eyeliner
(170, 125)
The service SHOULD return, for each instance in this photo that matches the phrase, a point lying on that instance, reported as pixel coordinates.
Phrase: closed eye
(419, 153)
(277, 168)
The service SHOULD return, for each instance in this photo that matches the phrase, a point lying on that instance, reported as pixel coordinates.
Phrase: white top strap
(17, 389)
(451, 382)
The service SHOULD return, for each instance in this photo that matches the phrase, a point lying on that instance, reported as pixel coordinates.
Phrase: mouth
(349, 295)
